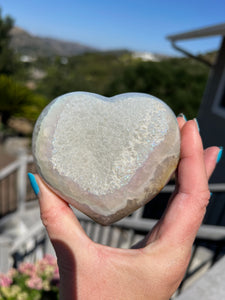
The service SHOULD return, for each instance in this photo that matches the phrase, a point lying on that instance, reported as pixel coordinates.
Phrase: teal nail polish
(183, 116)
(219, 154)
(211, 194)
(33, 183)
(196, 121)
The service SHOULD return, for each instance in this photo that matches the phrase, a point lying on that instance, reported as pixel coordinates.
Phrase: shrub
(31, 281)
(18, 101)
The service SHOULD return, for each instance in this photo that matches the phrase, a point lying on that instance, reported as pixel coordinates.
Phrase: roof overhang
(199, 33)
(210, 31)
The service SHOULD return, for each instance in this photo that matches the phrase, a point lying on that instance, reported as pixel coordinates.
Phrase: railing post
(5, 246)
(22, 182)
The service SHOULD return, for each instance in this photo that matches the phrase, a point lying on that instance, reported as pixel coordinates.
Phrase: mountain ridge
(25, 43)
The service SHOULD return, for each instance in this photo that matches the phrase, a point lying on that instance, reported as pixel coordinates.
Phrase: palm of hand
(155, 268)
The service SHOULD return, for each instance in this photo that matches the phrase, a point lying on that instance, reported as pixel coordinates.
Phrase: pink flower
(56, 274)
(27, 268)
(12, 273)
(5, 280)
(51, 260)
(47, 267)
(34, 282)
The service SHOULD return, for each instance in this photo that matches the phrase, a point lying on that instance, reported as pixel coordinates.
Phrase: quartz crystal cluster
(106, 156)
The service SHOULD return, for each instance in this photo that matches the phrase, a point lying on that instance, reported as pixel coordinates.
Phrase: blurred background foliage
(179, 82)
(27, 87)
(18, 101)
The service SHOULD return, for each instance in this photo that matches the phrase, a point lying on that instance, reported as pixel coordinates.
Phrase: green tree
(177, 81)
(18, 101)
(180, 82)
(91, 72)
(8, 60)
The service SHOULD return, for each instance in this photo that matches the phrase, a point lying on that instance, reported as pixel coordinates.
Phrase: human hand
(155, 268)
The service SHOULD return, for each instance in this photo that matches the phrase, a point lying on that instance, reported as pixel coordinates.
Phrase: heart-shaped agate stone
(106, 156)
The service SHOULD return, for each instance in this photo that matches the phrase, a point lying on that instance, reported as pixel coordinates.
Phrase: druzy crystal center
(106, 161)
(106, 156)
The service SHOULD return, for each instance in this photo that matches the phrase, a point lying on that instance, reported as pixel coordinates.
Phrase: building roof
(199, 33)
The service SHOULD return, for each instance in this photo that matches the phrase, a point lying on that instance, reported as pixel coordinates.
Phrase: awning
(209, 31)
(199, 33)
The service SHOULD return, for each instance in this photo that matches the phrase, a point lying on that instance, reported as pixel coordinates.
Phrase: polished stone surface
(106, 156)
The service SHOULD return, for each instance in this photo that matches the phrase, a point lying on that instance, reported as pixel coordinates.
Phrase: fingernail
(196, 121)
(33, 183)
(219, 155)
(211, 194)
(183, 116)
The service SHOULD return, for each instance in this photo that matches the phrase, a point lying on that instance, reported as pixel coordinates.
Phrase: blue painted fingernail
(196, 121)
(211, 194)
(33, 183)
(219, 155)
(183, 116)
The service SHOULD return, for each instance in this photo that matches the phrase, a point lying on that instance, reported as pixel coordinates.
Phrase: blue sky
(139, 25)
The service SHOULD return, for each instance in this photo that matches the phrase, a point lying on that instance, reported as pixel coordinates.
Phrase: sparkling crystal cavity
(106, 156)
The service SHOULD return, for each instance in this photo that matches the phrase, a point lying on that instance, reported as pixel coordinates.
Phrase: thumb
(57, 216)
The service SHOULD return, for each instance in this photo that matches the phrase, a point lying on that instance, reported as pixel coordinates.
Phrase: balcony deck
(23, 237)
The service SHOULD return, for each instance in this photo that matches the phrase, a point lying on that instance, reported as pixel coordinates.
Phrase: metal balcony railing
(18, 202)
